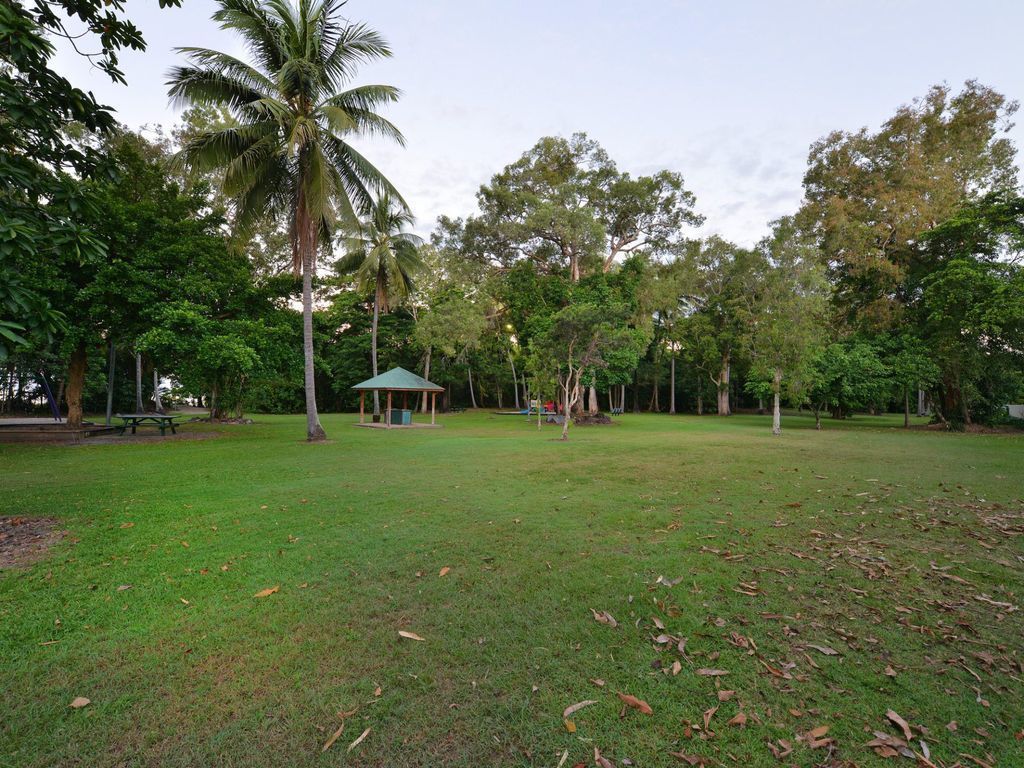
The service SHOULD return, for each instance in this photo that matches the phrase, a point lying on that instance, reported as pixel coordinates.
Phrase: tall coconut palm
(288, 155)
(382, 258)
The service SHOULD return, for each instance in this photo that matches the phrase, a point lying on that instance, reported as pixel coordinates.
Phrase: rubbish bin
(401, 417)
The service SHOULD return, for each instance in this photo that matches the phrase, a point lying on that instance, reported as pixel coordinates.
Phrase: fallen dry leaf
(574, 708)
(334, 737)
(712, 672)
(597, 681)
(708, 714)
(268, 591)
(127, 525)
(725, 695)
(80, 701)
(604, 618)
(444, 571)
(903, 724)
(815, 737)
(635, 703)
(570, 726)
(739, 719)
(823, 649)
(358, 741)
(600, 761)
(410, 635)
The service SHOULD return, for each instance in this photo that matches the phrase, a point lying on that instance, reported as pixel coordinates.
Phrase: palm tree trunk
(373, 348)
(426, 375)
(314, 431)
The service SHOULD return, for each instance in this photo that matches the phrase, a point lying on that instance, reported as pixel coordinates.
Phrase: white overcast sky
(730, 93)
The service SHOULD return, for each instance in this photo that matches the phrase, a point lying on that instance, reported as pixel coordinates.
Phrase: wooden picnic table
(134, 420)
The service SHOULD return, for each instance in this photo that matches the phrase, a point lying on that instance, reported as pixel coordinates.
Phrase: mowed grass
(880, 544)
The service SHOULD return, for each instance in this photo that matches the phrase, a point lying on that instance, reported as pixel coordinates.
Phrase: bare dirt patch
(26, 540)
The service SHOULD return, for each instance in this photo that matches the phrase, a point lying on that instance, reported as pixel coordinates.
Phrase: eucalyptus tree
(288, 155)
(785, 308)
(382, 258)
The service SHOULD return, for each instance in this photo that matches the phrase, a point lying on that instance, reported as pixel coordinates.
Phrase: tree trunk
(373, 346)
(156, 392)
(76, 383)
(213, 403)
(139, 408)
(472, 396)
(515, 380)
(906, 407)
(314, 431)
(636, 391)
(426, 375)
(672, 385)
(593, 405)
(110, 380)
(817, 416)
(567, 405)
(700, 393)
(723, 387)
(776, 411)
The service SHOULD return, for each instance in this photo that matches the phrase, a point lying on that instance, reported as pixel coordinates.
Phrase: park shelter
(401, 382)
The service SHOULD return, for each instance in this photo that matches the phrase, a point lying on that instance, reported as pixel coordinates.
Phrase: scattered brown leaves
(635, 703)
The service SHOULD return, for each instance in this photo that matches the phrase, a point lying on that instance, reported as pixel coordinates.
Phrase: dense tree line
(253, 260)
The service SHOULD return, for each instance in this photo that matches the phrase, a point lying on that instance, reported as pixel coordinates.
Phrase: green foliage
(846, 377)
(40, 162)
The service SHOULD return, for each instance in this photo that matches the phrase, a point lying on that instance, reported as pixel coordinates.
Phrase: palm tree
(288, 154)
(383, 259)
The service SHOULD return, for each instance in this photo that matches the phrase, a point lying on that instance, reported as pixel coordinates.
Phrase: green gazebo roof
(399, 379)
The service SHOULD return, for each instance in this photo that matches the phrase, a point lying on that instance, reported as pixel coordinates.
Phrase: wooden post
(362, 405)
(433, 407)
(388, 415)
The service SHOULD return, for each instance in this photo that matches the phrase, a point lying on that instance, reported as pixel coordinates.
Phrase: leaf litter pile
(915, 606)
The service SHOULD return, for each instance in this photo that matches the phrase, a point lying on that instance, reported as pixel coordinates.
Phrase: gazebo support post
(362, 405)
(433, 407)
(388, 417)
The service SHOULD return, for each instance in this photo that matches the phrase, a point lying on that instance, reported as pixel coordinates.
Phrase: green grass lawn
(882, 545)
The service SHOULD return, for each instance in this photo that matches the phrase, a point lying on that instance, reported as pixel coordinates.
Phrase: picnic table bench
(159, 420)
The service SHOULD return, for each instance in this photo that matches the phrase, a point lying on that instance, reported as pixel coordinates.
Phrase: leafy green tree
(577, 341)
(869, 197)
(41, 163)
(844, 377)
(565, 206)
(717, 310)
(787, 307)
(289, 156)
(968, 307)
(382, 258)
(912, 368)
